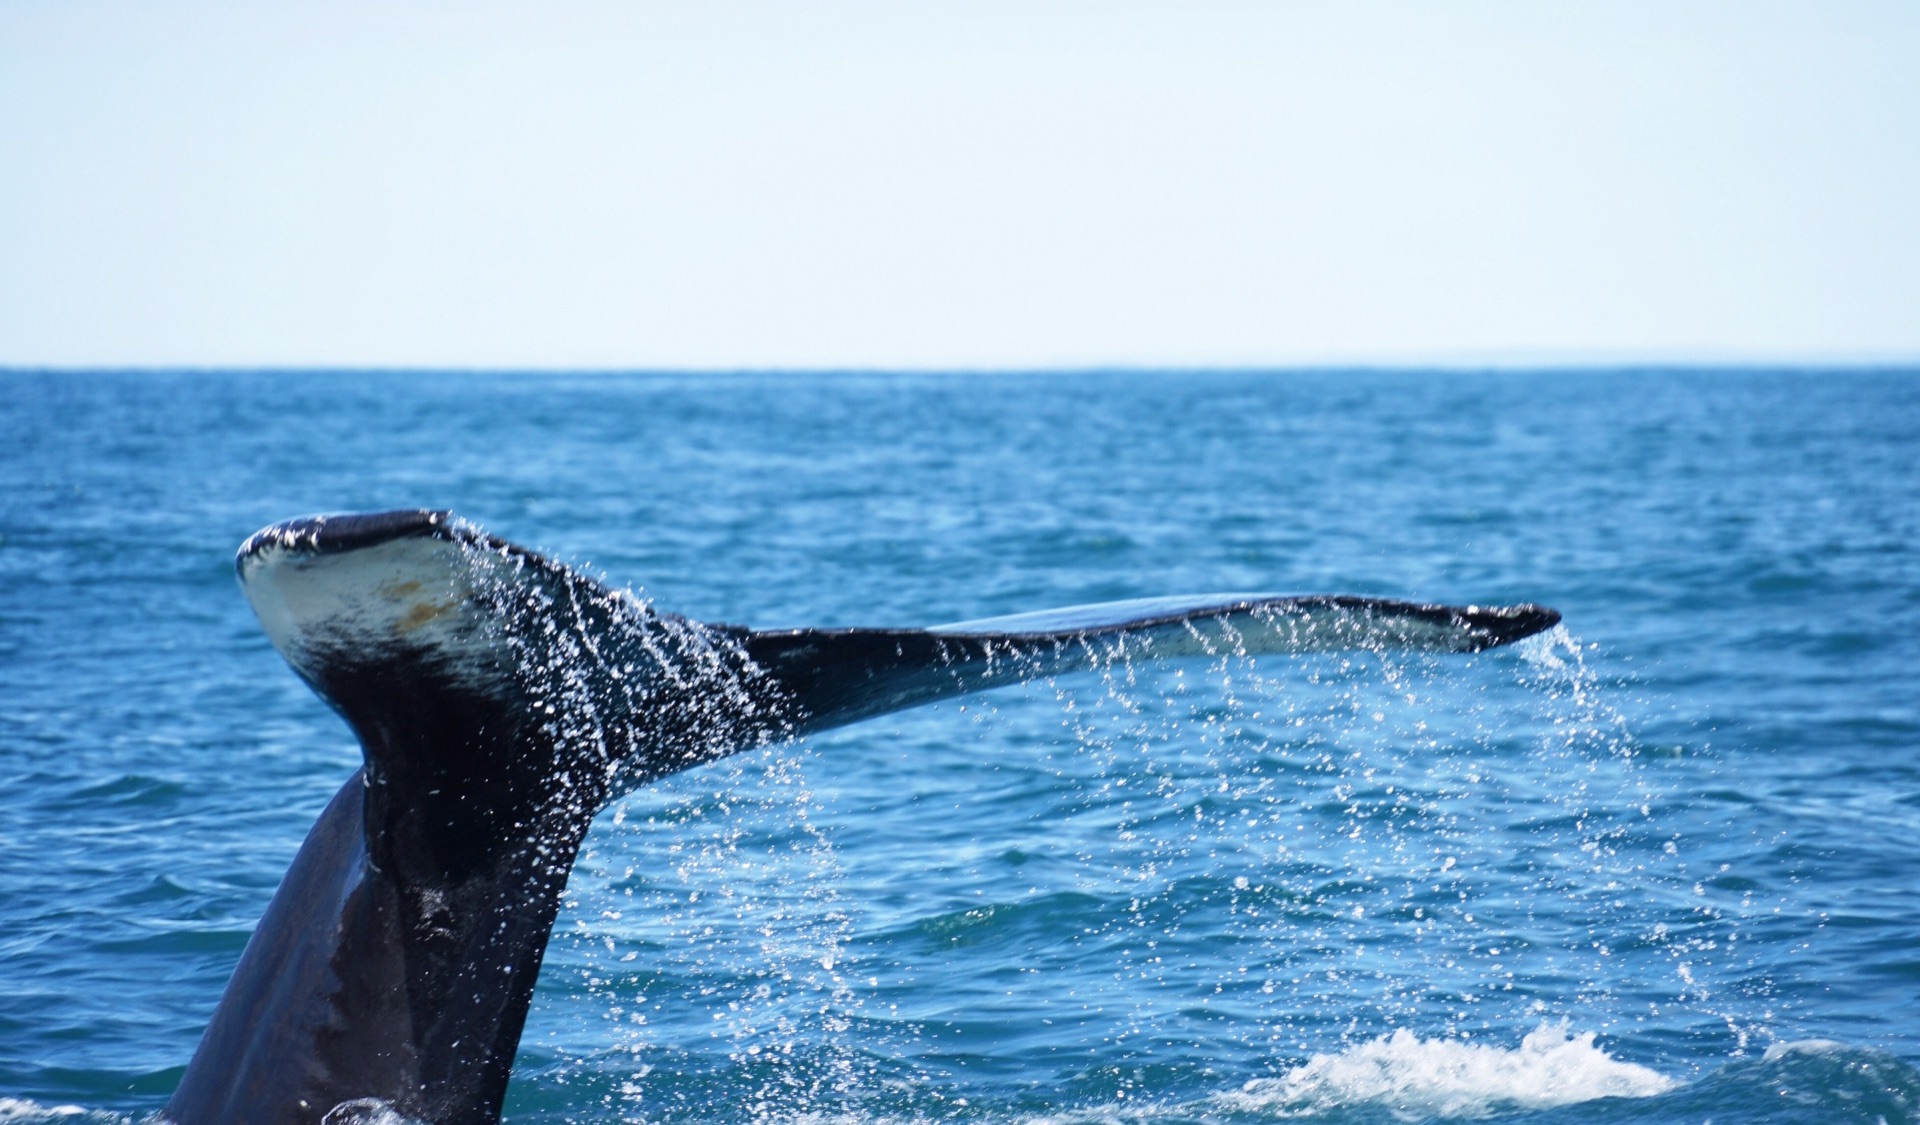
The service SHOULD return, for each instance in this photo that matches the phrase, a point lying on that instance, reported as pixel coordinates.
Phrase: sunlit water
(1660, 865)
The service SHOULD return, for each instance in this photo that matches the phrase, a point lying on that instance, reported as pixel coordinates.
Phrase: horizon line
(1457, 366)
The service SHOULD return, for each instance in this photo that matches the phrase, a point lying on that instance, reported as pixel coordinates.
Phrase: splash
(718, 944)
(367, 1111)
(725, 926)
(25, 1111)
(1414, 1077)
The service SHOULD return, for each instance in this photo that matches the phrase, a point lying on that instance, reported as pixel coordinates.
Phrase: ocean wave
(26, 1111)
(1416, 1078)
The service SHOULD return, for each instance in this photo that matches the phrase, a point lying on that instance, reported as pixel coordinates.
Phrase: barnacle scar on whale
(501, 700)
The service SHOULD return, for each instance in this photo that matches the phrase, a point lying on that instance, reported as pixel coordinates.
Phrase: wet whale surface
(502, 700)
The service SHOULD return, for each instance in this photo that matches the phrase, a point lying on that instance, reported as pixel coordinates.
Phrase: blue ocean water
(1660, 866)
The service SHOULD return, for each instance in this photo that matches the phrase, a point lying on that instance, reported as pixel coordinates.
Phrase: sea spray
(1449, 1077)
(709, 910)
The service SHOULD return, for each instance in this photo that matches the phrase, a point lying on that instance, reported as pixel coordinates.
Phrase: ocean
(1659, 865)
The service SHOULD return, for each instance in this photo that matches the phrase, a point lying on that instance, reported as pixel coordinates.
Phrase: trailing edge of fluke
(501, 700)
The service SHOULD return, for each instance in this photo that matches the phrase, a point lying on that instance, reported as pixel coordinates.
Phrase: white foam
(1812, 1047)
(1414, 1077)
(25, 1111)
(366, 1111)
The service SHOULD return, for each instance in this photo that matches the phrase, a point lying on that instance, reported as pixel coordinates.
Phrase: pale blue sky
(978, 184)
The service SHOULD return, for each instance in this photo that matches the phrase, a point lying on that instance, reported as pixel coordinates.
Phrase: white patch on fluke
(416, 592)
(1413, 1077)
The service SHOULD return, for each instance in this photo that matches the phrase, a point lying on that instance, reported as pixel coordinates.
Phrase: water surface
(1657, 867)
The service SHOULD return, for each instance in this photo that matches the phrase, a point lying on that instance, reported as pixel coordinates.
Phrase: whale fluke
(835, 676)
(501, 700)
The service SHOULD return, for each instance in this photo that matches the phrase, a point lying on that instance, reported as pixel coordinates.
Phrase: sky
(959, 185)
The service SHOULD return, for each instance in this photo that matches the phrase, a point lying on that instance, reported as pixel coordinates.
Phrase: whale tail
(830, 677)
(501, 699)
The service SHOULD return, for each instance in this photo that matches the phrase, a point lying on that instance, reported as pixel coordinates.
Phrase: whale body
(501, 700)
